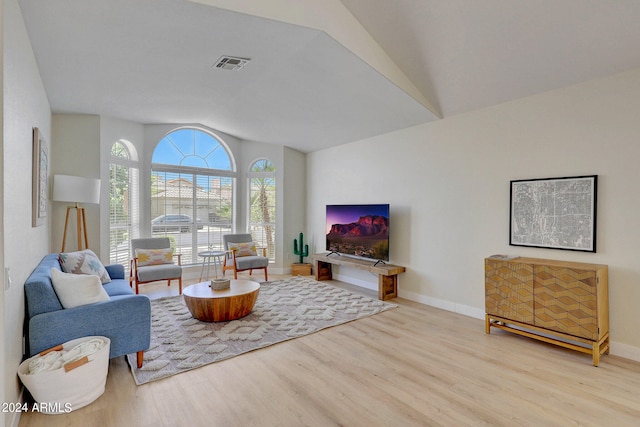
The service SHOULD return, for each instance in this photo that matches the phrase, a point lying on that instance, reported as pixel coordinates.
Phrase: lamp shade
(76, 189)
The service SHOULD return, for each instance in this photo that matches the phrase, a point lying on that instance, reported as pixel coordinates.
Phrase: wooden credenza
(387, 273)
(563, 303)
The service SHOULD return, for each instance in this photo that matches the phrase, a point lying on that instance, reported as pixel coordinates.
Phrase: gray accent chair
(153, 273)
(243, 263)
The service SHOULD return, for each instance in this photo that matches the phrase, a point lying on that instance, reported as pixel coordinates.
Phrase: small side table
(206, 259)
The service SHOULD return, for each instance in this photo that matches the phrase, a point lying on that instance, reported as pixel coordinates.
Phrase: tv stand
(387, 273)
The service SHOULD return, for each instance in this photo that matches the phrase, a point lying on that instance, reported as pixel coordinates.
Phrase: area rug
(284, 310)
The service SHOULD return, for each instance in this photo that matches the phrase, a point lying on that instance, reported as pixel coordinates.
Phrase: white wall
(25, 106)
(3, 367)
(294, 193)
(75, 142)
(448, 186)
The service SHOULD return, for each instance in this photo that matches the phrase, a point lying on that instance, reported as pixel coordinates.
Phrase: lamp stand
(81, 226)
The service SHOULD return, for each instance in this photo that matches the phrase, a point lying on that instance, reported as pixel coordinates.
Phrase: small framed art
(40, 176)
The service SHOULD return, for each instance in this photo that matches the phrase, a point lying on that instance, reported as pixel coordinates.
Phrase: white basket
(67, 389)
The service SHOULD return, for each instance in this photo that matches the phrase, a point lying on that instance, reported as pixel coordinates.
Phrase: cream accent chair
(153, 273)
(242, 263)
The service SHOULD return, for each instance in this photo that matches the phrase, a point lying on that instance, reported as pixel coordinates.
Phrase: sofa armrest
(116, 271)
(125, 320)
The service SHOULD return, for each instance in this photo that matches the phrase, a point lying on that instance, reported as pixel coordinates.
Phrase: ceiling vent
(231, 63)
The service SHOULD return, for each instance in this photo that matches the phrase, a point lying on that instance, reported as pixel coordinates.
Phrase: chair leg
(235, 274)
(180, 284)
(140, 358)
(136, 280)
(266, 277)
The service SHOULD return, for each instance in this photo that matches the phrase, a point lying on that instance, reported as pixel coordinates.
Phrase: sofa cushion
(244, 249)
(74, 290)
(151, 273)
(84, 262)
(154, 256)
(118, 287)
(248, 262)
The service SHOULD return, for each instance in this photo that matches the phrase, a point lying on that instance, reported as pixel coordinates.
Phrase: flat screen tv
(359, 230)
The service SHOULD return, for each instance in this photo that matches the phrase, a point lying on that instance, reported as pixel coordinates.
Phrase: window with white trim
(262, 205)
(192, 185)
(123, 201)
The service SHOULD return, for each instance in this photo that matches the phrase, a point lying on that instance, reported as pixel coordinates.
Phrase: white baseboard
(443, 304)
(280, 270)
(355, 281)
(617, 349)
(15, 419)
(625, 350)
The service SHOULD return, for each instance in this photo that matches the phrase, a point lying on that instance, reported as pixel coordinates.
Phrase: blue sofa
(125, 318)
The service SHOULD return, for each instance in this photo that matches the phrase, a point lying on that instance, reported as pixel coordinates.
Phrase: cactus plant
(298, 249)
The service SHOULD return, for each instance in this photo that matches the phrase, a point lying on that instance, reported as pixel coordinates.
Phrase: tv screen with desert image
(359, 230)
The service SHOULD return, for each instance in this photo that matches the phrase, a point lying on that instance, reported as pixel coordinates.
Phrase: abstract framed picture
(554, 213)
(40, 188)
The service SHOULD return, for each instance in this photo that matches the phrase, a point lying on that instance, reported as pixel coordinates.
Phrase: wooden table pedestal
(220, 306)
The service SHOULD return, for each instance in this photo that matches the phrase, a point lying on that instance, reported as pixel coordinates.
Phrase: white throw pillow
(74, 290)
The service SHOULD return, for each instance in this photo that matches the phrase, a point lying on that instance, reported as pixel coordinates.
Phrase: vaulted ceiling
(321, 72)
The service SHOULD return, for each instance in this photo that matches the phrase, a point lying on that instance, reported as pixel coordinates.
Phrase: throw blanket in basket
(69, 376)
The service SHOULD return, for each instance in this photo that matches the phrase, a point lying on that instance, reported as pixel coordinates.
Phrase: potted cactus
(300, 268)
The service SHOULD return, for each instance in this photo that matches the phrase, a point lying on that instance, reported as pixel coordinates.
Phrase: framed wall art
(40, 187)
(556, 213)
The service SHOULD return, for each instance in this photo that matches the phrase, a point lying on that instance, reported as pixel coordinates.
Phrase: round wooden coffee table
(220, 306)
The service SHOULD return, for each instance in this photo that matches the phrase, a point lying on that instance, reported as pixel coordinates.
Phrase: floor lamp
(77, 190)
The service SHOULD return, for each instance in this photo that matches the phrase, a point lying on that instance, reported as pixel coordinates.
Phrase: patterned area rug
(284, 310)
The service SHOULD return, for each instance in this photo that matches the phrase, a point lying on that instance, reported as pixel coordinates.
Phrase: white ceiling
(469, 54)
(149, 61)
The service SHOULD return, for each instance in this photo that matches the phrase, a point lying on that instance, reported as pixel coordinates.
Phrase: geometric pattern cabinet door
(565, 300)
(509, 290)
(559, 302)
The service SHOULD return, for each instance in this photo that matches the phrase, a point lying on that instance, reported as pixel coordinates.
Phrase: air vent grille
(232, 63)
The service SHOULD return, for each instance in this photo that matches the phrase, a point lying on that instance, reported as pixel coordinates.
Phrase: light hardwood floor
(411, 366)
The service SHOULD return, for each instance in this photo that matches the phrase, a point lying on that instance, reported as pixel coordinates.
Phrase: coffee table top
(238, 287)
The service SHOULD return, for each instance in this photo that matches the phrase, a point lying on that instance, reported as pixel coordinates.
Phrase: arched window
(262, 204)
(192, 184)
(123, 201)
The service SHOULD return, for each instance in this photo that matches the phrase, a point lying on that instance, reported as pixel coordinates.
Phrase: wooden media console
(387, 273)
